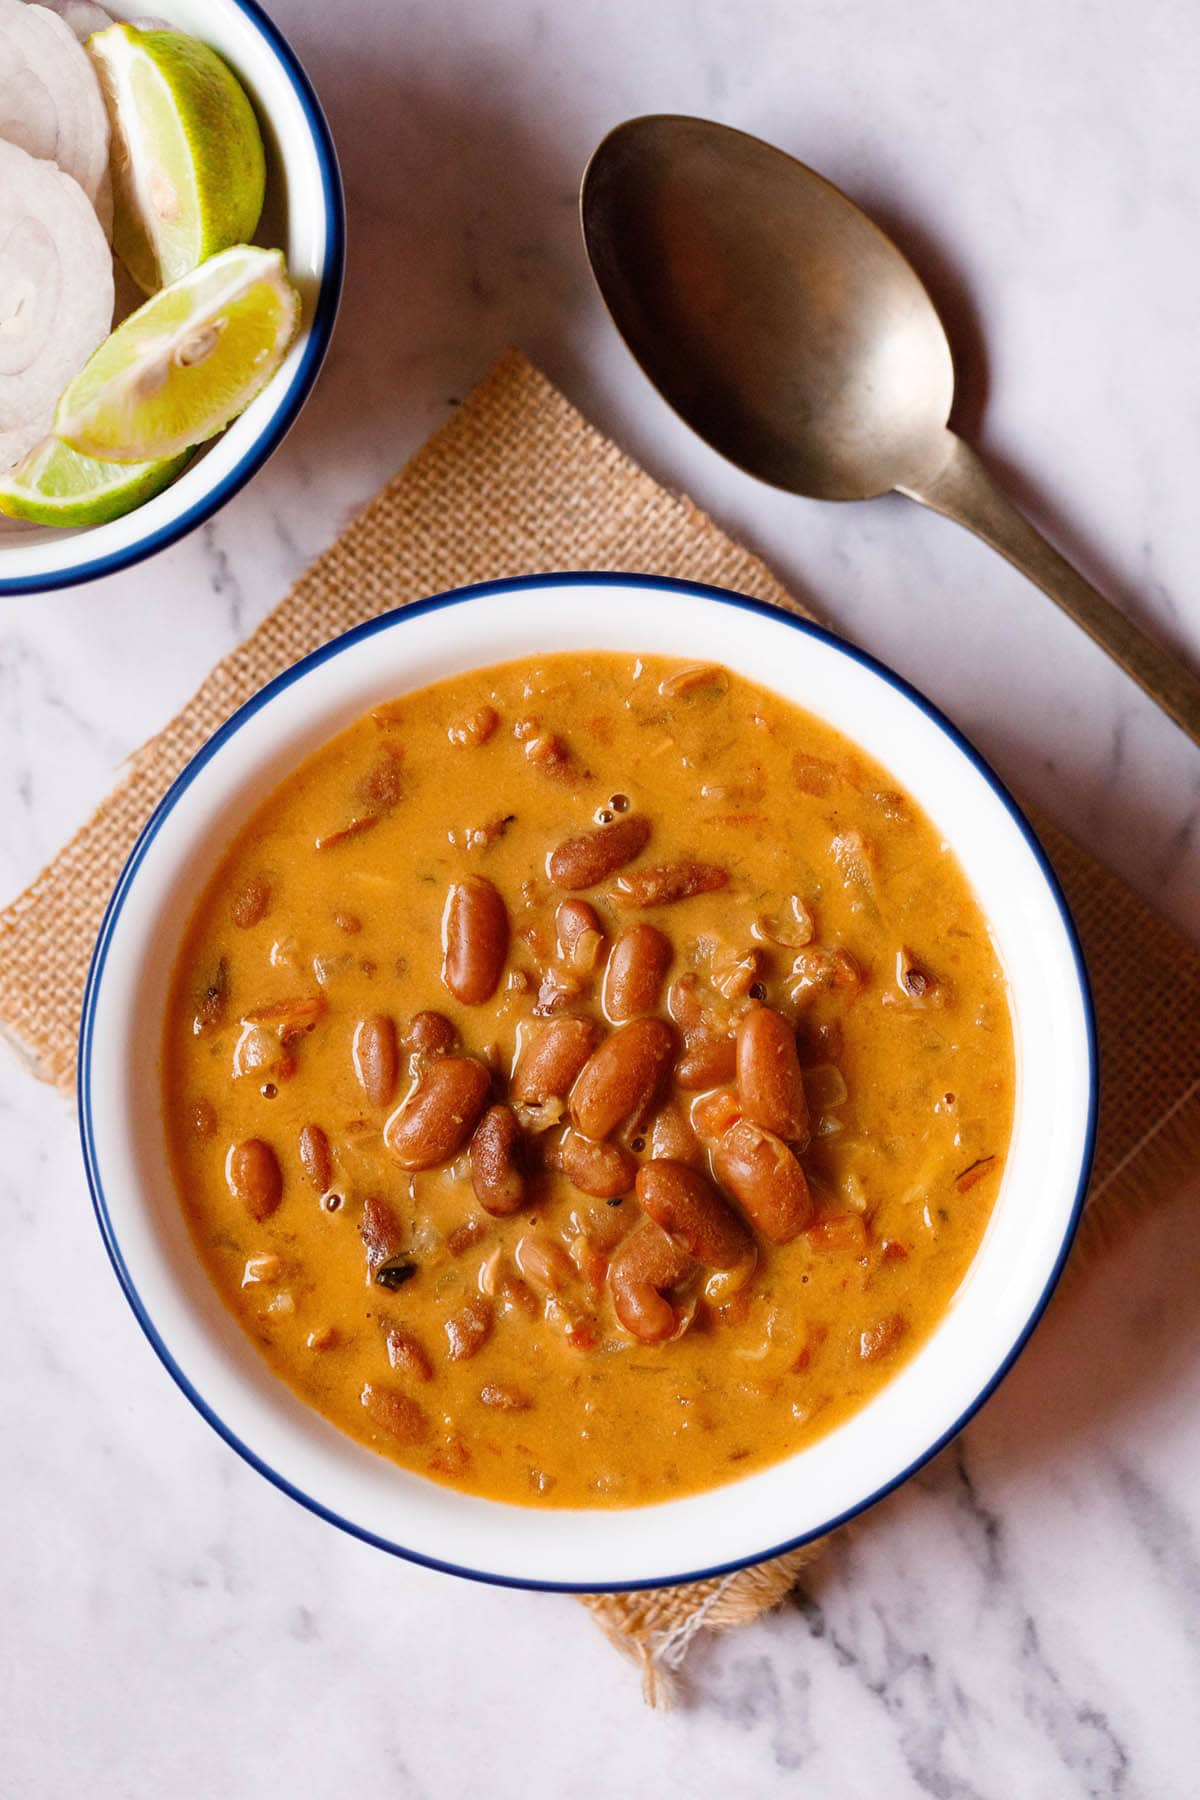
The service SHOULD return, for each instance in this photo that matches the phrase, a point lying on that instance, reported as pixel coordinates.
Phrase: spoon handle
(964, 489)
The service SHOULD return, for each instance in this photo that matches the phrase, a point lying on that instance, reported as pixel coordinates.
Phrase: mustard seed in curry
(588, 1079)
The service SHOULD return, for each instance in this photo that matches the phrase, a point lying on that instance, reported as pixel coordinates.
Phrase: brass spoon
(789, 331)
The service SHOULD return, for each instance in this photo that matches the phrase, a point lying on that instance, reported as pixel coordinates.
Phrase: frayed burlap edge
(656, 1628)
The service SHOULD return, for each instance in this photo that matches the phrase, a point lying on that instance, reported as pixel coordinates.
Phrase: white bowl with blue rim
(765, 1513)
(304, 217)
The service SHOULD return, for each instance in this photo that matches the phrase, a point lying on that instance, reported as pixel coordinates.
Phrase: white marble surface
(1025, 1618)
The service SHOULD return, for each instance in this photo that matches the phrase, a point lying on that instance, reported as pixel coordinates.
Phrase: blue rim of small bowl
(318, 334)
(389, 621)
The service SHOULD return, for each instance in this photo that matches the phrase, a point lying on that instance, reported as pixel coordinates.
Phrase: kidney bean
(765, 1179)
(707, 1061)
(504, 1399)
(474, 728)
(212, 997)
(684, 1003)
(316, 1158)
(641, 1275)
(686, 1007)
(592, 1264)
(669, 882)
(637, 966)
(881, 1339)
(474, 940)
(382, 784)
(603, 1226)
(254, 1177)
(620, 1080)
(552, 755)
(429, 1034)
(581, 862)
(724, 1285)
(395, 1412)
(354, 829)
(768, 1074)
(708, 676)
(551, 1058)
(376, 1057)
(251, 902)
(464, 1237)
(408, 1354)
(204, 1119)
(814, 775)
(579, 935)
(469, 1329)
(498, 1162)
(672, 1137)
(440, 1114)
(735, 1310)
(605, 1171)
(709, 1049)
(454, 1456)
(543, 1261)
(381, 1232)
(517, 1296)
(686, 1206)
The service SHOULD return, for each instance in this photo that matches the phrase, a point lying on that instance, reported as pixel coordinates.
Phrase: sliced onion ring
(51, 103)
(56, 294)
(83, 16)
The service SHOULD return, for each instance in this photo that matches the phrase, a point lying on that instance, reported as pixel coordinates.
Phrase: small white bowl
(929, 1399)
(304, 217)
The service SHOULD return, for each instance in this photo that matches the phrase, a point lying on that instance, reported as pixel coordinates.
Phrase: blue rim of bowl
(316, 343)
(389, 621)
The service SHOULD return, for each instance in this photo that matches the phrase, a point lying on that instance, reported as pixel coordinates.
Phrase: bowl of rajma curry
(587, 1081)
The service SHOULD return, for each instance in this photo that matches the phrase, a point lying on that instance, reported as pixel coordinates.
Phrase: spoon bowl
(789, 331)
(774, 315)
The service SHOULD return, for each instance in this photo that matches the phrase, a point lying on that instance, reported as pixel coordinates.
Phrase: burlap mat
(518, 483)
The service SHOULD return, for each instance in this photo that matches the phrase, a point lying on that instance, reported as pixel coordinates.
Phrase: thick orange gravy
(588, 1079)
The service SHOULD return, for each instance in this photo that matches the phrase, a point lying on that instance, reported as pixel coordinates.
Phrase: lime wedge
(54, 485)
(176, 371)
(187, 155)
